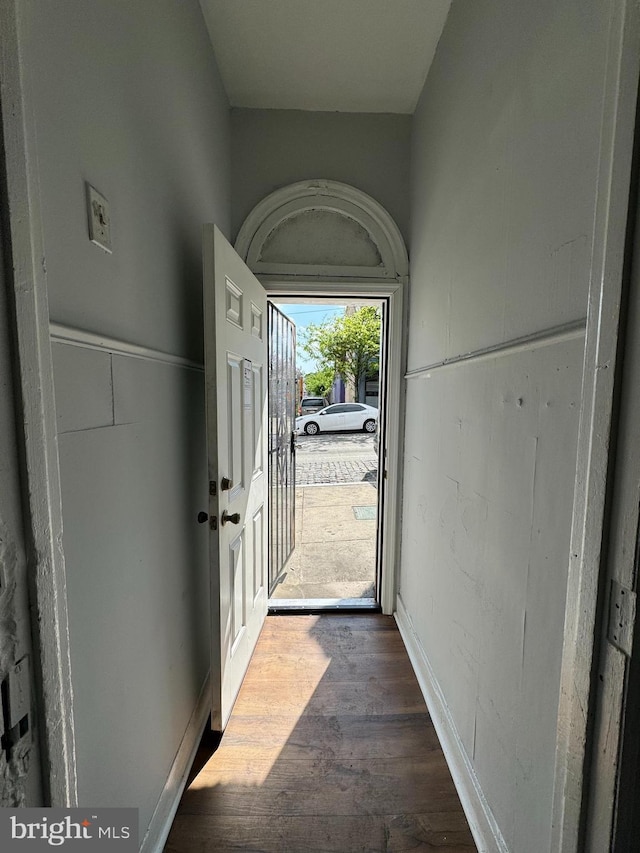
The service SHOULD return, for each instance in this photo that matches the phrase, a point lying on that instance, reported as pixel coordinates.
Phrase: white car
(340, 416)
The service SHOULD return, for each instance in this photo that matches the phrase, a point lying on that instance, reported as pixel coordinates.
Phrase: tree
(350, 345)
(320, 382)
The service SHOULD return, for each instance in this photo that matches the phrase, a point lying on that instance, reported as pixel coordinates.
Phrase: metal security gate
(282, 467)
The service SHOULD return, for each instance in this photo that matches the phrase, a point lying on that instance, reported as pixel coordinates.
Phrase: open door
(235, 310)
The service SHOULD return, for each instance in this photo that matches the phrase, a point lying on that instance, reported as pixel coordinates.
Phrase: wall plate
(99, 217)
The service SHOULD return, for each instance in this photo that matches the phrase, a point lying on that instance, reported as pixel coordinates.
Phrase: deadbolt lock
(226, 484)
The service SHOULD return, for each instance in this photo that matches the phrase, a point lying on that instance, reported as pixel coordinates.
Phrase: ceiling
(335, 55)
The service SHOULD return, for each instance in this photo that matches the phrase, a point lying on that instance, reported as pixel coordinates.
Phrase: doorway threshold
(323, 605)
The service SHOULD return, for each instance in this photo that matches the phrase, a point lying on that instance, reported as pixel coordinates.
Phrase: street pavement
(336, 458)
(335, 548)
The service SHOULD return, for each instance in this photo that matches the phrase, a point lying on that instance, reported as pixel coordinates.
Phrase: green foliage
(350, 345)
(320, 382)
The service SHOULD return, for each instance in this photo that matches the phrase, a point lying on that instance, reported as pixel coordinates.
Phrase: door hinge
(622, 615)
(212, 488)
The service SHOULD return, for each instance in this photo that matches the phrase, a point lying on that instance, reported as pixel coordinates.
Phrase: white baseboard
(165, 811)
(482, 823)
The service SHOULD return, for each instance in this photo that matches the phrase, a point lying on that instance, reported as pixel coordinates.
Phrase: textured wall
(504, 165)
(127, 96)
(20, 771)
(273, 148)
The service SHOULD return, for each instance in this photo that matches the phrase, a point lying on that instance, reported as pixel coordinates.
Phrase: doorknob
(234, 519)
(202, 517)
(226, 484)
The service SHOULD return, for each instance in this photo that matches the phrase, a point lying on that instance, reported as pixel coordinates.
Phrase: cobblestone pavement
(335, 458)
(334, 473)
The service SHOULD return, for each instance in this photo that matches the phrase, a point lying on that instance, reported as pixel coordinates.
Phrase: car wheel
(369, 426)
(311, 428)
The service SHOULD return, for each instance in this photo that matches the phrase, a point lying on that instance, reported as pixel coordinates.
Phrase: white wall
(274, 148)
(128, 97)
(504, 159)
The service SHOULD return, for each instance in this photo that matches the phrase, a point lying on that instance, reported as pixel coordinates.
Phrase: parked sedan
(340, 416)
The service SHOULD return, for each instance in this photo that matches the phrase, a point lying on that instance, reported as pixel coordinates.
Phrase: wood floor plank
(330, 749)
(284, 835)
(357, 643)
(296, 664)
(336, 834)
(245, 785)
(385, 696)
(329, 624)
(333, 736)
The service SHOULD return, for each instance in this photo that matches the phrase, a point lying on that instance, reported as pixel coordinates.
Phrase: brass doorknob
(234, 518)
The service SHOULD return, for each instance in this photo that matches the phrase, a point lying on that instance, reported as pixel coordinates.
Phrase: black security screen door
(282, 465)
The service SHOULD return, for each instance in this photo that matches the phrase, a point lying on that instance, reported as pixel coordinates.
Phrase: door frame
(36, 410)
(386, 278)
(594, 469)
(613, 788)
(393, 413)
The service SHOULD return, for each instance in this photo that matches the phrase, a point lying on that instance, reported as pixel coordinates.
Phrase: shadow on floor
(330, 749)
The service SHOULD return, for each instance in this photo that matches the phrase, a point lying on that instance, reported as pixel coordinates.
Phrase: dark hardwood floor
(329, 749)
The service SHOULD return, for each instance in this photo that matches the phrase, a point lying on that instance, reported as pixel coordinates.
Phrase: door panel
(235, 367)
(259, 562)
(238, 597)
(235, 437)
(258, 393)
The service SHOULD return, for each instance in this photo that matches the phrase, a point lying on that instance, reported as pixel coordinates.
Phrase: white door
(235, 309)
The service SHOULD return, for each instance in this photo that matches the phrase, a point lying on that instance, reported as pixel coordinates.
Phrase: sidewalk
(335, 551)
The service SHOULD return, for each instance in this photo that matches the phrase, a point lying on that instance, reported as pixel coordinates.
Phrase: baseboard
(482, 823)
(165, 811)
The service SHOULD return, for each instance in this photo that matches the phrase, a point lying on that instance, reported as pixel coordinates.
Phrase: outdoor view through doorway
(326, 551)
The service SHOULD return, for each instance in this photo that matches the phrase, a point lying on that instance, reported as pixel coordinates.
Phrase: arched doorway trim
(362, 240)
